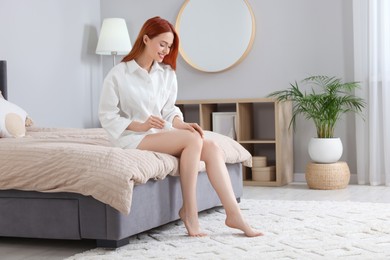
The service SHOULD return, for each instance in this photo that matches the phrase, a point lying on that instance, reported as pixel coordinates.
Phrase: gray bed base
(31, 214)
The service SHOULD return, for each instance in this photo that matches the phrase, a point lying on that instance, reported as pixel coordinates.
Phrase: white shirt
(131, 93)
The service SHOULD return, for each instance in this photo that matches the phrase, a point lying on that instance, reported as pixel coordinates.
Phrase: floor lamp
(114, 38)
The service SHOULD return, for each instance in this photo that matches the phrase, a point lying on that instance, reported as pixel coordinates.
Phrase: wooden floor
(16, 248)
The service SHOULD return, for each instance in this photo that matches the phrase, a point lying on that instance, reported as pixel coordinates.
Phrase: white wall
(53, 72)
(294, 39)
(55, 75)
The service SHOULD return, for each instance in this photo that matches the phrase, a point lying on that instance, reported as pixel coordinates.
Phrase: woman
(137, 109)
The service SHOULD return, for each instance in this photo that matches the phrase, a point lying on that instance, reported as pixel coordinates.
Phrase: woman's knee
(192, 139)
(196, 139)
(211, 149)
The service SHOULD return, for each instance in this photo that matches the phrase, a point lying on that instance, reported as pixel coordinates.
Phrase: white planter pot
(325, 150)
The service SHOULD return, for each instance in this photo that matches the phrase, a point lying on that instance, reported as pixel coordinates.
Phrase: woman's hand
(193, 127)
(151, 122)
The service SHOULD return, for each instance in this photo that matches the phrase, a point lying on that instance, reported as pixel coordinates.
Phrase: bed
(59, 183)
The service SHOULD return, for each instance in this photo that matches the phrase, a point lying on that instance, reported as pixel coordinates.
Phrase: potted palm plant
(325, 108)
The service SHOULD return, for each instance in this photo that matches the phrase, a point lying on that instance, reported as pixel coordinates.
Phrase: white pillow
(233, 151)
(12, 119)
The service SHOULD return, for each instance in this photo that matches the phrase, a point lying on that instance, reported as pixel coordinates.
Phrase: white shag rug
(293, 230)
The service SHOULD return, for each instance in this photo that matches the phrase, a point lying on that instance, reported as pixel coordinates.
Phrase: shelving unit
(262, 127)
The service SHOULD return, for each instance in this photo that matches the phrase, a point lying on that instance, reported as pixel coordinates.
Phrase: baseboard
(300, 177)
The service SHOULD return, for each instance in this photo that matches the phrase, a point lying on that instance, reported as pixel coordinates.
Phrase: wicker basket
(327, 176)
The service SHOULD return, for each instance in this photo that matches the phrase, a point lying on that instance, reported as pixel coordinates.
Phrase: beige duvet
(83, 161)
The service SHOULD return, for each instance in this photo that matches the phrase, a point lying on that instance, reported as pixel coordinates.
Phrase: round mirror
(215, 35)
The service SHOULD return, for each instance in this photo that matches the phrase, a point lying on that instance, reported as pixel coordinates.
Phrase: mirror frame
(199, 66)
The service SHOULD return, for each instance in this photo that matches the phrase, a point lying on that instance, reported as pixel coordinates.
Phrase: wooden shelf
(262, 127)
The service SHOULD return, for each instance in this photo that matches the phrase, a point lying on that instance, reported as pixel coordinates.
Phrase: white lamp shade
(114, 37)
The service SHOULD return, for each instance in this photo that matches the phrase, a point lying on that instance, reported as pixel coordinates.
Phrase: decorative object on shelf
(261, 171)
(324, 108)
(114, 38)
(225, 123)
(329, 176)
(267, 173)
(259, 161)
(215, 35)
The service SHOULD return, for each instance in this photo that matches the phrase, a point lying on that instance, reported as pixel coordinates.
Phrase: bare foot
(239, 223)
(191, 224)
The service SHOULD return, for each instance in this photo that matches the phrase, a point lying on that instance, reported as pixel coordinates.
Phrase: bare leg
(188, 147)
(219, 178)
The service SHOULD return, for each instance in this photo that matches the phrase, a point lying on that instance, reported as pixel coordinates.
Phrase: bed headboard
(3, 78)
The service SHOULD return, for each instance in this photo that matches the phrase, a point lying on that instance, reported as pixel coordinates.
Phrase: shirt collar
(156, 66)
(132, 66)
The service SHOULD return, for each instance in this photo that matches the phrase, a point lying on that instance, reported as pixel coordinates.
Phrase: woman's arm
(109, 112)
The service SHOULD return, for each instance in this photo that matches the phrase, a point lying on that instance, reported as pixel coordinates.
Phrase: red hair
(152, 28)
